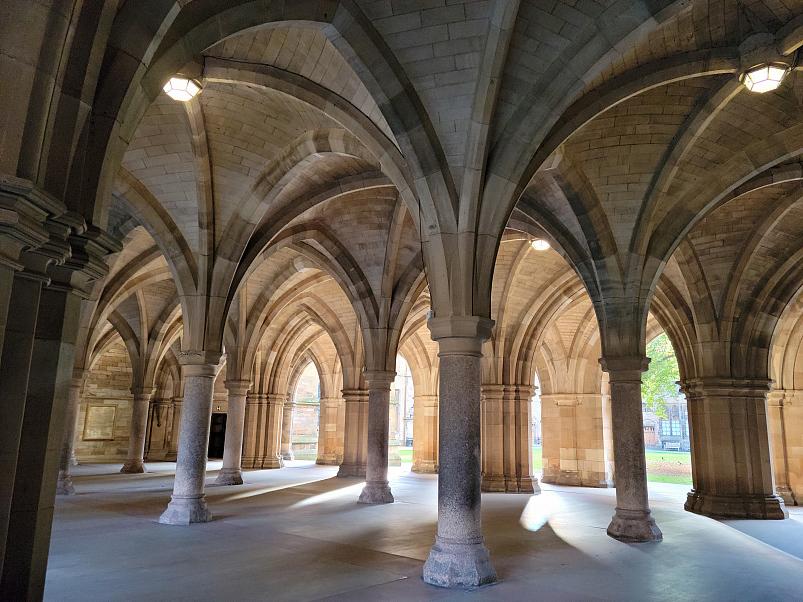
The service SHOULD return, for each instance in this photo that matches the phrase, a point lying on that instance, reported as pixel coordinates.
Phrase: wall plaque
(99, 423)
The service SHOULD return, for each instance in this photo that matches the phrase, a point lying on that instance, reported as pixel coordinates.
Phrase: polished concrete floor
(298, 534)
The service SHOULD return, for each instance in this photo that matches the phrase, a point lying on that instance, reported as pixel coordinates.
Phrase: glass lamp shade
(181, 88)
(539, 244)
(764, 78)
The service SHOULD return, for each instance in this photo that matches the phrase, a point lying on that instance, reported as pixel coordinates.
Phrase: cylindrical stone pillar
(377, 489)
(188, 503)
(231, 473)
(632, 521)
(459, 557)
(287, 430)
(139, 425)
(64, 486)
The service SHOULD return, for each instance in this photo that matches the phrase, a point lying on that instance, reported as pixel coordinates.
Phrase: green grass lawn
(662, 466)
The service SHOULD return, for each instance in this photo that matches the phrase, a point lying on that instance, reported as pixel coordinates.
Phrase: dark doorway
(217, 435)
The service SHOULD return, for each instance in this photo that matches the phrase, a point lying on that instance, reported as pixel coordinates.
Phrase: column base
(770, 507)
(327, 460)
(229, 476)
(376, 493)
(271, 463)
(133, 467)
(64, 485)
(503, 484)
(184, 511)
(425, 467)
(493, 483)
(458, 565)
(524, 485)
(787, 495)
(351, 470)
(634, 526)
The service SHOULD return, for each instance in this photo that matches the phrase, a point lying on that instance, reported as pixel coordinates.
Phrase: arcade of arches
(235, 273)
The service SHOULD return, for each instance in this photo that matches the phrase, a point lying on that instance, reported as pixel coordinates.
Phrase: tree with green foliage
(659, 383)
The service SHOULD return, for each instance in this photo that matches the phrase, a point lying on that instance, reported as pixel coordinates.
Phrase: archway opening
(401, 415)
(306, 406)
(535, 420)
(665, 416)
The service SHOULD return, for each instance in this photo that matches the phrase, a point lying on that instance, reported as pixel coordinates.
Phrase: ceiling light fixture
(764, 77)
(182, 89)
(539, 244)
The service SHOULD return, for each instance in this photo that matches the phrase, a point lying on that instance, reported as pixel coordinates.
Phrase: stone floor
(298, 534)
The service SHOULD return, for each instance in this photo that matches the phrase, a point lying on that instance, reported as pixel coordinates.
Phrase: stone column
(15, 364)
(632, 521)
(64, 484)
(253, 430)
(493, 440)
(273, 430)
(287, 430)
(355, 433)
(175, 426)
(327, 431)
(188, 502)
(574, 428)
(459, 556)
(507, 439)
(135, 464)
(786, 428)
(425, 434)
(377, 489)
(231, 473)
(732, 466)
(42, 434)
(519, 429)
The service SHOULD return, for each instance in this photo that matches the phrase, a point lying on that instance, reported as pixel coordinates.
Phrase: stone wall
(105, 412)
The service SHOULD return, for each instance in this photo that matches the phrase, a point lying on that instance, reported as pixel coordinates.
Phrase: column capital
(425, 399)
(379, 379)
(275, 398)
(87, 247)
(492, 391)
(200, 362)
(142, 392)
(624, 368)
(355, 394)
(24, 208)
(460, 335)
(726, 387)
(237, 387)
